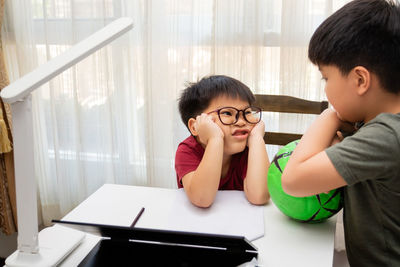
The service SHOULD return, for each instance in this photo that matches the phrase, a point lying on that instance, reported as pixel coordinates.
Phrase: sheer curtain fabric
(113, 118)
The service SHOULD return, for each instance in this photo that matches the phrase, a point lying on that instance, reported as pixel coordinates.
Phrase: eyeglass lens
(230, 115)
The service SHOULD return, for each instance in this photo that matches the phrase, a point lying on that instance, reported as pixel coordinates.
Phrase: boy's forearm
(205, 181)
(257, 169)
(317, 138)
(309, 170)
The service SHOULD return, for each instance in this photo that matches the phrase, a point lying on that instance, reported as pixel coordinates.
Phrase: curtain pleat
(8, 213)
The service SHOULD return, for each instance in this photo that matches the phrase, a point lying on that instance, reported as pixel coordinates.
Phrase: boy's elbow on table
(260, 199)
(202, 202)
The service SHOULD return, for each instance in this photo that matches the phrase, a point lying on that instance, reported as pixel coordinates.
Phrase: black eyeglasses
(230, 115)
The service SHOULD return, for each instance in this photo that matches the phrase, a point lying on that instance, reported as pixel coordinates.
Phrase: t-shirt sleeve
(187, 159)
(371, 153)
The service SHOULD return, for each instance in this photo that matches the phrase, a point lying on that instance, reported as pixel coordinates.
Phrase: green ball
(311, 209)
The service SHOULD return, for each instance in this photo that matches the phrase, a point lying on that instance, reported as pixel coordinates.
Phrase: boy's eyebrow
(229, 106)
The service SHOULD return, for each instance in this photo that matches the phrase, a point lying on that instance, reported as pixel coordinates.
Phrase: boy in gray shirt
(357, 50)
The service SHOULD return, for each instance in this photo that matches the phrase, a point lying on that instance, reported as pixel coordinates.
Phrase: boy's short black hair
(197, 96)
(362, 33)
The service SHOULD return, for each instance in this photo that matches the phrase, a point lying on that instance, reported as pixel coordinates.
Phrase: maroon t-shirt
(188, 157)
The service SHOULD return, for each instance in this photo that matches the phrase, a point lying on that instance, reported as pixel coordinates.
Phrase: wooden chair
(287, 104)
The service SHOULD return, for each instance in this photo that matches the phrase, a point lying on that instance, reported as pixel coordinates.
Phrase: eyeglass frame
(237, 114)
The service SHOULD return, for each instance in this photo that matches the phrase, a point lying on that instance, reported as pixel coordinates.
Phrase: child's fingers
(207, 127)
(340, 136)
(260, 126)
(206, 117)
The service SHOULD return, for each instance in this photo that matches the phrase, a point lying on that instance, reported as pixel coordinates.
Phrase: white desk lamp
(52, 244)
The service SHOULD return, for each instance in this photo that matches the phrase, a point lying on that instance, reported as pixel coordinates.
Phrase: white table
(285, 243)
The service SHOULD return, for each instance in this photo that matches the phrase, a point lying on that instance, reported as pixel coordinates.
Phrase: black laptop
(126, 246)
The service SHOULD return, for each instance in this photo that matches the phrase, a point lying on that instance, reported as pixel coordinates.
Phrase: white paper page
(170, 209)
(230, 214)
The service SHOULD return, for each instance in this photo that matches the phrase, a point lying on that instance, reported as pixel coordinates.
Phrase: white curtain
(113, 118)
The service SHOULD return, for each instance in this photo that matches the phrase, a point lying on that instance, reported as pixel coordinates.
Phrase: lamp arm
(18, 94)
(25, 85)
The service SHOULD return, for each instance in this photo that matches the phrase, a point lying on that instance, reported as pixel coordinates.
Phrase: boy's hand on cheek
(338, 138)
(345, 128)
(258, 131)
(207, 129)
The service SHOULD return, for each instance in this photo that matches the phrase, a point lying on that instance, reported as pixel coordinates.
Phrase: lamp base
(55, 243)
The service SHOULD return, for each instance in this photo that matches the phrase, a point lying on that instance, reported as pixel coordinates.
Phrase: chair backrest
(287, 104)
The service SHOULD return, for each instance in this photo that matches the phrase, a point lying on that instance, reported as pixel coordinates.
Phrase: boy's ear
(363, 79)
(191, 127)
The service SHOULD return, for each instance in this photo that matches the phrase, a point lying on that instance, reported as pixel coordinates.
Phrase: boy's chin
(235, 148)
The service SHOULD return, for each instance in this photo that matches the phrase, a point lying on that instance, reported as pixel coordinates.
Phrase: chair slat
(281, 139)
(287, 104)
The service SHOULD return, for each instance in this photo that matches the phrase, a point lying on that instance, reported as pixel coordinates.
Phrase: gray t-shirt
(369, 161)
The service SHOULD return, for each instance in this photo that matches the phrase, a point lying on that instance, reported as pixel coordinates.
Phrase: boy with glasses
(226, 149)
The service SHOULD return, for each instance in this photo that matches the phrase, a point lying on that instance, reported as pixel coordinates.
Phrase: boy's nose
(241, 120)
